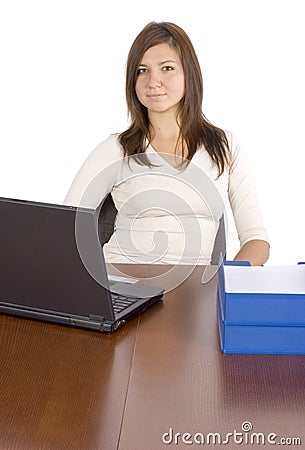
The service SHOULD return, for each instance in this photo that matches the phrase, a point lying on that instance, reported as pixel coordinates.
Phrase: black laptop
(52, 268)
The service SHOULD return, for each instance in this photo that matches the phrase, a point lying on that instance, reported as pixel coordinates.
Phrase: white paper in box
(270, 295)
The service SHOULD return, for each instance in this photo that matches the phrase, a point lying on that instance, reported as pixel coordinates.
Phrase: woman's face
(160, 80)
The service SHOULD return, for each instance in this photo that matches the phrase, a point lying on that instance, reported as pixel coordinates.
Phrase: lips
(155, 96)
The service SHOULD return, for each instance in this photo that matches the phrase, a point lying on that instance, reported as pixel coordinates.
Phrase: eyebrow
(163, 62)
(169, 61)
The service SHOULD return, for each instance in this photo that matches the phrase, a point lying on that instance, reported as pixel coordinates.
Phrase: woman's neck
(165, 134)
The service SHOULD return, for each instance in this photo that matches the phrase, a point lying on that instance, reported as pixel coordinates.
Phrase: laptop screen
(40, 262)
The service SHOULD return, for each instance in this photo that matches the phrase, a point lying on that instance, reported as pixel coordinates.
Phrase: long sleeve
(243, 197)
(97, 175)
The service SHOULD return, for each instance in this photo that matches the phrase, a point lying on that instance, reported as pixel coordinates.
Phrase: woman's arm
(253, 237)
(256, 252)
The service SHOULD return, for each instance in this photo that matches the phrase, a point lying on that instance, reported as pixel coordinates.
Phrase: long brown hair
(195, 130)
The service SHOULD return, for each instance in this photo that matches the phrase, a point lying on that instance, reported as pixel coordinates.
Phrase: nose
(154, 80)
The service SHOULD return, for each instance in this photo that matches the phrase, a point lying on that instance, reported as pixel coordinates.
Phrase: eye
(141, 70)
(167, 68)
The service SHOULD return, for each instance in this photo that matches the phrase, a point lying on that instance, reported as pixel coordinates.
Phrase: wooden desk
(64, 388)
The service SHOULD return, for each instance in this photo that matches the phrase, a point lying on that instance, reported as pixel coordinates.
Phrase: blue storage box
(261, 309)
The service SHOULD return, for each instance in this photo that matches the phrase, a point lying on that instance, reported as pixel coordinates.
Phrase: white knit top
(167, 214)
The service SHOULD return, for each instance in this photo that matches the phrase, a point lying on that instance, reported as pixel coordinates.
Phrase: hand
(255, 251)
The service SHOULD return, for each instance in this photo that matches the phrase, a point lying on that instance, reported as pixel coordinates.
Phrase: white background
(62, 92)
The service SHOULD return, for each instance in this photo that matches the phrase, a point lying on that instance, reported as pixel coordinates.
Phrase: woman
(171, 172)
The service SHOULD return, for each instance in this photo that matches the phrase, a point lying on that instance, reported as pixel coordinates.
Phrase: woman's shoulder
(233, 144)
(111, 142)
(108, 150)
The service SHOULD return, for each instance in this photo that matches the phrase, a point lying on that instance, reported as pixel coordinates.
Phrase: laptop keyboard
(121, 302)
